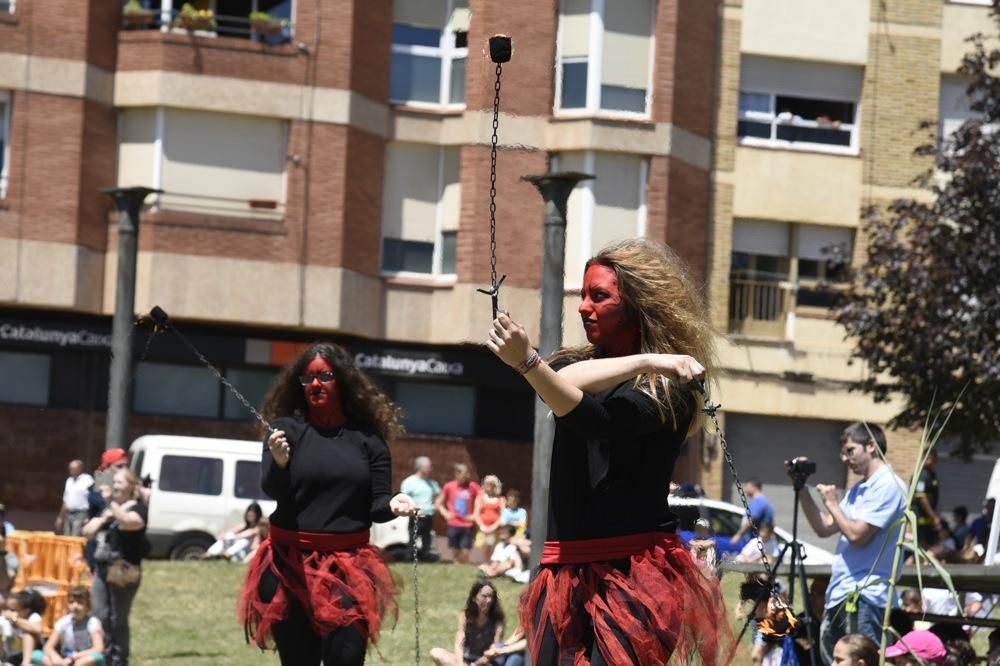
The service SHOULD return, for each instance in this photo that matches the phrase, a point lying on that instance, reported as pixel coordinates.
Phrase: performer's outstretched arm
(599, 374)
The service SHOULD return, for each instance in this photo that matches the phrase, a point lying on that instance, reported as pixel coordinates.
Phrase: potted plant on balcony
(192, 19)
(134, 14)
(264, 24)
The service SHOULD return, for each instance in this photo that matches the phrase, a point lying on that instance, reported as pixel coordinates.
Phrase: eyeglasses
(849, 451)
(308, 379)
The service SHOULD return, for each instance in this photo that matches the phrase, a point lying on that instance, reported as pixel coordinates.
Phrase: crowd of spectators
(479, 516)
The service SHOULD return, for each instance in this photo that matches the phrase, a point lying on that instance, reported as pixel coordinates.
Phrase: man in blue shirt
(761, 509)
(423, 489)
(868, 520)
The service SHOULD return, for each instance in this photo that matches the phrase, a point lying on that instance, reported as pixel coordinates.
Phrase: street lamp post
(129, 202)
(555, 189)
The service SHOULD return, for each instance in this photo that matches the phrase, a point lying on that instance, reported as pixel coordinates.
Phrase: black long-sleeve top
(336, 481)
(613, 457)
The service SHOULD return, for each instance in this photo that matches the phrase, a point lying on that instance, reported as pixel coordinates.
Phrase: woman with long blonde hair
(315, 587)
(616, 585)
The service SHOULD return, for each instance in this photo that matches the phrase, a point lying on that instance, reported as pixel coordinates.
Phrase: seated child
(21, 626)
(506, 558)
(77, 638)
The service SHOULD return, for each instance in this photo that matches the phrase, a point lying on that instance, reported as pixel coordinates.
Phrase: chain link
(416, 591)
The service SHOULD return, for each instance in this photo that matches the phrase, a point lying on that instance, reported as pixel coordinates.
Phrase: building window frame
(6, 99)
(447, 53)
(437, 275)
(594, 61)
(11, 6)
(589, 203)
(771, 117)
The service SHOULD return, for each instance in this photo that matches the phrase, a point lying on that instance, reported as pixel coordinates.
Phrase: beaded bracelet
(529, 364)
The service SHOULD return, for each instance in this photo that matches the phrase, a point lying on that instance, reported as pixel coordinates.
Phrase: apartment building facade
(326, 176)
(817, 117)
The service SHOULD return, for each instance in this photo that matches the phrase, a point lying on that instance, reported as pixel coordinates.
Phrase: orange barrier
(51, 564)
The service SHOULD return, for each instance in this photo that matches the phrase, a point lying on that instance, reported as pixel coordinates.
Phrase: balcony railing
(762, 308)
(218, 25)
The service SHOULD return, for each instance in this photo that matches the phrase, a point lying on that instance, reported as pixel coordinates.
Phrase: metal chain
(416, 592)
(711, 409)
(218, 375)
(493, 182)
(494, 290)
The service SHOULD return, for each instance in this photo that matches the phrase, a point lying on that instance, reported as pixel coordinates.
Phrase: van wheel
(190, 547)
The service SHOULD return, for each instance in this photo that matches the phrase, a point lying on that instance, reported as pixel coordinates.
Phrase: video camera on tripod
(800, 469)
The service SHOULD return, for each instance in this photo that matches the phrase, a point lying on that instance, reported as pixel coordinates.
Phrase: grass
(185, 613)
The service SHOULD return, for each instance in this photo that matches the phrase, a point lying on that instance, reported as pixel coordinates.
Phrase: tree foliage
(924, 307)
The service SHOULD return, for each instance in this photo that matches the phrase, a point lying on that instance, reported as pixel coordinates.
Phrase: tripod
(798, 483)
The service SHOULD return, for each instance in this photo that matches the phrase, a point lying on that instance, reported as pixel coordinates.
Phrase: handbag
(122, 573)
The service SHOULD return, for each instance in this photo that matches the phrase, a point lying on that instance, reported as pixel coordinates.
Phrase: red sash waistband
(581, 551)
(323, 542)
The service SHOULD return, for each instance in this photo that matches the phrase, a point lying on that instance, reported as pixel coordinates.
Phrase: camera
(801, 468)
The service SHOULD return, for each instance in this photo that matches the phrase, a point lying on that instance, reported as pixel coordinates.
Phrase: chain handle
(416, 591)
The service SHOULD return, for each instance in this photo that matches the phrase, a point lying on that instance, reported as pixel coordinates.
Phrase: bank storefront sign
(53, 336)
(408, 364)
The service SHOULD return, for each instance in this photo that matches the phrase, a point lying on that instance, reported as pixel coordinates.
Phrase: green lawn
(185, 613)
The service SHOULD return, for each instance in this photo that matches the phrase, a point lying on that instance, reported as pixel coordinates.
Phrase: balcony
(762, 309)
(207, 23)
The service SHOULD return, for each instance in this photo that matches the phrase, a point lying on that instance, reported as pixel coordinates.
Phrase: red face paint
(605, 318)
(325, 410)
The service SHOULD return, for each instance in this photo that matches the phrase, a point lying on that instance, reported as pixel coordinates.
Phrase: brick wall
(685, 67)
(519, 217)
(899, 93)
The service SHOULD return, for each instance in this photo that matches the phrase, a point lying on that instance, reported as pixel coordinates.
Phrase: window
(253, 384)
(247, 485)
(7, 6)
(4, 134)
(776, 255)
(604, 56)
(420, 209)
(798, 105)
(24, 378)
(207, 163)
(429, 50)
(191, 474)
(437, 409)
(601, 211)
(181, 390)
(953, 105)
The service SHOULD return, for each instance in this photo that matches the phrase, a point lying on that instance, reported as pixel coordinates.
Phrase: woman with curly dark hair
(316, 586)
(615, 584)
(480, 627)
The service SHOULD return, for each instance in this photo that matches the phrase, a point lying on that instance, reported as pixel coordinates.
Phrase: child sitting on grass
(77, 638)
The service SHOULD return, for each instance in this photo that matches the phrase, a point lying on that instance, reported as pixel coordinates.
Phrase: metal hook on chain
(500, 52)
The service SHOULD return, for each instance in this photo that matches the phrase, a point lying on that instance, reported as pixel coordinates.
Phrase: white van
(201, 486)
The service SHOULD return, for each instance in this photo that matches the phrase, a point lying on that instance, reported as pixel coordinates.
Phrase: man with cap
(916, 647)
(73, 513)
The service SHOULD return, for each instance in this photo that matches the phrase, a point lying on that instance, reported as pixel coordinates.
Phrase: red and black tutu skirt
(337, 580)
(641, 594)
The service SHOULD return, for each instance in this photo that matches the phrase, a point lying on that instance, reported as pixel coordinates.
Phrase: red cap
(110, 457)
(922, 644)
